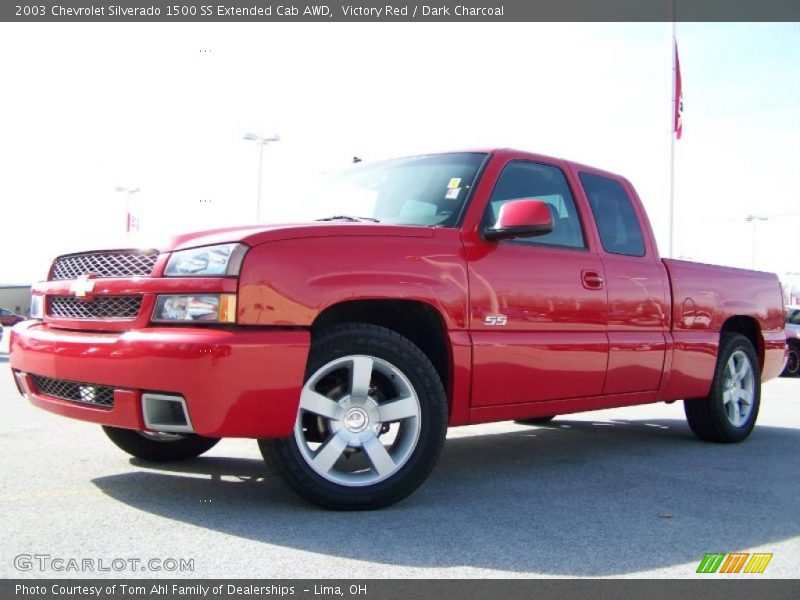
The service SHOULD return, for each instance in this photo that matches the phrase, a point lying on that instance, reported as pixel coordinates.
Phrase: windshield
(422, 190)
(793, 317)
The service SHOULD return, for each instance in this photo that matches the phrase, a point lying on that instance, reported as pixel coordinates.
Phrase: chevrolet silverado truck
(445, 289)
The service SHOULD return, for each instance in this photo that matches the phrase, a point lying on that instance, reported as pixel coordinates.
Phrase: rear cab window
(617, 223)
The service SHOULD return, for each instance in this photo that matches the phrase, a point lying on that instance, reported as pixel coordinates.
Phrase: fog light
(212, 308)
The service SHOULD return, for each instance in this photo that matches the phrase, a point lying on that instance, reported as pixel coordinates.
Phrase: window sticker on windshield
(454, 183)
(452, 193)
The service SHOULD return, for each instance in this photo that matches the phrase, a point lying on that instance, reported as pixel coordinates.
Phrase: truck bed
(706, 297)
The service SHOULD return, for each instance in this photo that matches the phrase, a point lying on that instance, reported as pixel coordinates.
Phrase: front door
(538, 305)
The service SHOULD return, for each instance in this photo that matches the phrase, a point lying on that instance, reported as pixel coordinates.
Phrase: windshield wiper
(349, 219)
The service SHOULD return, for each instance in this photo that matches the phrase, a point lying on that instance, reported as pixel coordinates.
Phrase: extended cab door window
(620, 232)
(522, 179)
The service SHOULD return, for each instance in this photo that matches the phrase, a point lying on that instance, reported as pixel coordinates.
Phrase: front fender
(290, 282)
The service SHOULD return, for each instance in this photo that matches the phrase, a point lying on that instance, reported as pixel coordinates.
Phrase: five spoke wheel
(371, 420)
(728, 414)
(359, 420)
(737, 395)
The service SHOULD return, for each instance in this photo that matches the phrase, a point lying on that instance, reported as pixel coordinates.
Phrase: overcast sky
(88, 107)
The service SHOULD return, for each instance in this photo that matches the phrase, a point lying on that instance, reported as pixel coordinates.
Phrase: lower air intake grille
(85, 393)
(102, 307)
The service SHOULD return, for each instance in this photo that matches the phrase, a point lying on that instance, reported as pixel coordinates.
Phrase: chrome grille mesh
(101, 307)
(105, 264)
(85, 393)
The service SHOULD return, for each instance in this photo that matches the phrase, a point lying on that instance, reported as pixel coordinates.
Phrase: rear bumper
(236, 383)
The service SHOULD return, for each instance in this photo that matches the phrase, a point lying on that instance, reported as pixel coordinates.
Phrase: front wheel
(371, 423)
(728, 414)
(159, 447)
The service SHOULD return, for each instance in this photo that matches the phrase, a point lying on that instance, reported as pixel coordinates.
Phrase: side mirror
(521, 218)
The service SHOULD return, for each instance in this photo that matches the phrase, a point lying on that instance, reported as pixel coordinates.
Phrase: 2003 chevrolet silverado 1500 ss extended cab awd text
(482, 286)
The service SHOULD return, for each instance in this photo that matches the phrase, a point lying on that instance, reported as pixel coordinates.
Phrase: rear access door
(637, 285)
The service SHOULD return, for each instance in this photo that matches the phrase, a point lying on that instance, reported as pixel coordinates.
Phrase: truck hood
(254, 235)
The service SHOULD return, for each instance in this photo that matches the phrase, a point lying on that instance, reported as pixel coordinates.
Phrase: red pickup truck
(472, 287)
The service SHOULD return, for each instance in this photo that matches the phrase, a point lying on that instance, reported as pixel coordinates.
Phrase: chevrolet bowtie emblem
(82, 287)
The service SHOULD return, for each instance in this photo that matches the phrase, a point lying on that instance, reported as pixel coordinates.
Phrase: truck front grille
(101, 307)
(85, 393)
(127, 263)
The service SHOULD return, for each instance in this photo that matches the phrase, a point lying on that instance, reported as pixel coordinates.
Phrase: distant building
(16, 298)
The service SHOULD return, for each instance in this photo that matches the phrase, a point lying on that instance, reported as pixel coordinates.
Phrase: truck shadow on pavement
(577, 498)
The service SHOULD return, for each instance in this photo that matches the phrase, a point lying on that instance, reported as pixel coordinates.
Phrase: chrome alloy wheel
(738, 389)
(359, 420)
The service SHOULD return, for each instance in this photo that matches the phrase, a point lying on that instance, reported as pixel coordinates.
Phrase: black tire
(150, 447)
(793, 363)
(708, 417)
(289, 462)
(535, 420)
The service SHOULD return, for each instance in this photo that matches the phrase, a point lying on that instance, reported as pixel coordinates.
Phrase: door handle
(592, 280)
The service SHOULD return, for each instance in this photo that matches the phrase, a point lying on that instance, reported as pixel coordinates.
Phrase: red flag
(677, 125)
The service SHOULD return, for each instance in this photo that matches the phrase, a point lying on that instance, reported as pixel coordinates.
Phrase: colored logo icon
(734, 562)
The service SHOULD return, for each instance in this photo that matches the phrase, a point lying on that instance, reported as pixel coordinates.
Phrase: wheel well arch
(749, 328)
(416, 320)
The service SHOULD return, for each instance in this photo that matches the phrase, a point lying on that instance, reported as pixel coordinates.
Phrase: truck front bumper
(234, 382)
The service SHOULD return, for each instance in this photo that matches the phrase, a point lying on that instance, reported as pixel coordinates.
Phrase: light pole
(754, 219)
(261, 140)
(129, 224)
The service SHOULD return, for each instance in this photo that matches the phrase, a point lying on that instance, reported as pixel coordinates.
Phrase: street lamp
(261, 140)
(129, 220)
(754, 219)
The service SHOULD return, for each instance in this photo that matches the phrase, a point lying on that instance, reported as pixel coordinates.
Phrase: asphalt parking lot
(616, 493)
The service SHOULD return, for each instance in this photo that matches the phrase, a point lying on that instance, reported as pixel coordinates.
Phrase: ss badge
(499, 320)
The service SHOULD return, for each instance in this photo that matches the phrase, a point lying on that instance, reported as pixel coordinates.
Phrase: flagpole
(673, 52)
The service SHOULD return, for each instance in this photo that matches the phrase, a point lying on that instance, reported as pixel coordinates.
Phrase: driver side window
(525, 180)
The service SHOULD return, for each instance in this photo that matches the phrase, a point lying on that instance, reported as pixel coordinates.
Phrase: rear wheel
(371, 423)
(159, 447)
(728, 414)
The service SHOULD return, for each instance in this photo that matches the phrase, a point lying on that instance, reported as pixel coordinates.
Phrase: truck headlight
(37, 307)
(206, 261)
(207, 308)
